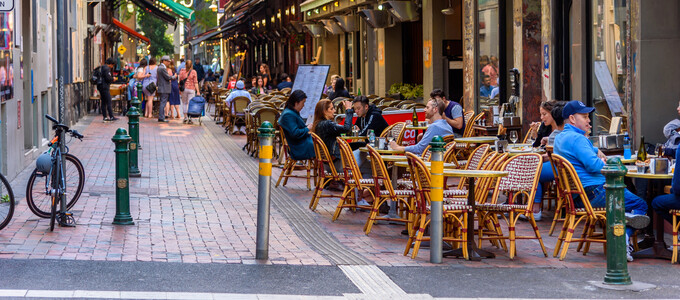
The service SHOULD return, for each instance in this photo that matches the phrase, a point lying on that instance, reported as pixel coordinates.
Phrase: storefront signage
(427, 53)
(121, 49)
(6, 5)
(546, 57)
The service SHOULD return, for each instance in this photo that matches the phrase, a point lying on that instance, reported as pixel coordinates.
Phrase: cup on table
(423, 124)
(382, 143)
(641, 167)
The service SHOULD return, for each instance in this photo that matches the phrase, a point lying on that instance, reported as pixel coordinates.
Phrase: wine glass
(513, 136)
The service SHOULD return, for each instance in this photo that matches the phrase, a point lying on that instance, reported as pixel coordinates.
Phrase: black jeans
(105, 97)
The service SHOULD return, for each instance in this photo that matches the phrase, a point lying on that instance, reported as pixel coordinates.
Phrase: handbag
(151, 88)
(182, 83)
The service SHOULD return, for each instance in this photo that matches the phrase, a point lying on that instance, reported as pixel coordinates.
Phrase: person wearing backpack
(103, 81)
(188, 85)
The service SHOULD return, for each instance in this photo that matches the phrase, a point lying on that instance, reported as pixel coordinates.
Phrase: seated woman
(294, 129)
(328, 130)
(339, 90)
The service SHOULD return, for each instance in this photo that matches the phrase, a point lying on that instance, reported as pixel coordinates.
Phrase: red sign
(398, 116)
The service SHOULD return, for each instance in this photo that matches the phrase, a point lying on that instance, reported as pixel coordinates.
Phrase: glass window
(608, 46)
(489, 42)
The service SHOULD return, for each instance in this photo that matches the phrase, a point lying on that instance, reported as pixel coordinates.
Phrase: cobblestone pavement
(195, 203)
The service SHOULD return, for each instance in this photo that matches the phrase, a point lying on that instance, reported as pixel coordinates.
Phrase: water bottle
(371, 137)
(626, 147)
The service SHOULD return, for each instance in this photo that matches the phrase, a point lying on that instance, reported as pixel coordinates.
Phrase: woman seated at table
(294, 129)
(328, 130)
(552, 124)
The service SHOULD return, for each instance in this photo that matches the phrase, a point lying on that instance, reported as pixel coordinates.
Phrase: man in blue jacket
(588, 161)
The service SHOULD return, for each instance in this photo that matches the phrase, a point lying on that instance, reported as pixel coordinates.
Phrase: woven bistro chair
(381, 176)
(529, 134)
(560, 204)
(251, 128)
(455, 214)
(570, 185)
(354, 182)
(291, 165)
(521, 182)
(387, 132)
(676, 224)
(261, 115)
(326, 171)
(398, 132)
(236, 112)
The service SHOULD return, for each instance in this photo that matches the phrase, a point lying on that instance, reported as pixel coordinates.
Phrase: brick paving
(195, 204)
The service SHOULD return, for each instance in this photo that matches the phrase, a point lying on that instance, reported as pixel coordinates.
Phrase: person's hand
(544, 141)
(394, 145)
(347, 104)
(535, 125)
(602, 156)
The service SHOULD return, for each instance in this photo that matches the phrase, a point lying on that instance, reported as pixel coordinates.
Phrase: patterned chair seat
(454, 207)
(675, 211)
(595, 209)
(455, 192)
(457, 201)
(398, 193)
(363, 181)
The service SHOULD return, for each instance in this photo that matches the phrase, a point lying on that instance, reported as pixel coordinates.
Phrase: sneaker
(185, 121)
(163, 121)
(113, 119)
(629, 252)
(363, 202)
(636, 221)
(190, 122)
(537, 216)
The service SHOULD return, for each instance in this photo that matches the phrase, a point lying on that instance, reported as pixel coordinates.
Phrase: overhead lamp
(130, 7)
(336, 4)
(449, 10)
(292, 9)
(324, 8)
(278, 14)
(380, 7)
(316, 11)
(309, 13)
(273, 19)
(213, 5)
(287, 11)
(233, 15)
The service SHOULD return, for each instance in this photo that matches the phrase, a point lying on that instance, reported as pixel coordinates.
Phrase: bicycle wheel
(38, 190)
(6, 202)
(54, 212)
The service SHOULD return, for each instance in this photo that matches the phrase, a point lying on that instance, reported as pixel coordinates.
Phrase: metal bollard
(133, 126)
(266, 136)
(122, 139)
(617, 265)
(140, 95)
(436, 198)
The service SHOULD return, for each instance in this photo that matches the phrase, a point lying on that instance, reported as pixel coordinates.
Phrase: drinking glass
(659, 150)
(513, 136)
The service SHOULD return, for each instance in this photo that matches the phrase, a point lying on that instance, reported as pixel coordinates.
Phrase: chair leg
(412, 235)
(282, 175)
(538, 234)
(419, 236)
(567, 238)
(558, 215)
(511, 233)
(563, 234)
(317, 192)
(345, 195)
(374, 213)
(674, 259)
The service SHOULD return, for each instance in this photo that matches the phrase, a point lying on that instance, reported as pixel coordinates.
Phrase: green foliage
(406, 90)
(4, 198)
(154, 29)
(206, 18)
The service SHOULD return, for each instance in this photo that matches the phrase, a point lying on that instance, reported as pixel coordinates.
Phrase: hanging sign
(121, 49)
(6, 5)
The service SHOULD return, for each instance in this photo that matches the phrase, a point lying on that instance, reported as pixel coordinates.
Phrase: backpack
(96, 78)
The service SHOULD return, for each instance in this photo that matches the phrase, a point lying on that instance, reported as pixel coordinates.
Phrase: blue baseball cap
(575, 107)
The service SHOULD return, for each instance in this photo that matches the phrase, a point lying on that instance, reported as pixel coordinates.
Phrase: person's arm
(347, 127)
(163, 72)
(288, 124)
(107, 75)
(583, 151)
(196, 87)
(675, 185)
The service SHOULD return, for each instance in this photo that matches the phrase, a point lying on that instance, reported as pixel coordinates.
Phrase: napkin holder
(511, 121)
(659, 166)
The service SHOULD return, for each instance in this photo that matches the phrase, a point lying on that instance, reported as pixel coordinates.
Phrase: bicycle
(6, 202)
(57, 175)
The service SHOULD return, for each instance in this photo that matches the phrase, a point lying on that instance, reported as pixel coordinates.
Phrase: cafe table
(416, 127)
(384, 152)
(474, 253)
(658, 249)
(477, 140)
(349, 137)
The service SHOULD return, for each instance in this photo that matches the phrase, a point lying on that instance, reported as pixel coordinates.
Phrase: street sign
(6, 5)
(121, 49)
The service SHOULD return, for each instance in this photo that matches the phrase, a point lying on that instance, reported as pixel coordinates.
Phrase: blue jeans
(663, 203)
(632, 203)
(545, 176)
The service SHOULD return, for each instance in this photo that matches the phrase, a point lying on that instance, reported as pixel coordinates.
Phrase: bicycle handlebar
(51, 118)
(74, 133)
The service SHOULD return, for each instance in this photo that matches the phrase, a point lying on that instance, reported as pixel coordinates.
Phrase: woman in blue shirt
(294, 128)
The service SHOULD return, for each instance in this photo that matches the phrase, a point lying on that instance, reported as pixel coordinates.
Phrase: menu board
(604, 77)
(311, 80)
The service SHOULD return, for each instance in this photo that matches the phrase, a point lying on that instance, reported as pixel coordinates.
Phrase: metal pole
(266, 136)
(436, 199)
(122, 139)
(133, 125)
(617, 265)
(140, 96)
(62, 56)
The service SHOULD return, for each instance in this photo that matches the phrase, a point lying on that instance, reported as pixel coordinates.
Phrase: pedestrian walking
(189, 79)
(103, 86)
(174, 95)
(149, 86)
(164, 86)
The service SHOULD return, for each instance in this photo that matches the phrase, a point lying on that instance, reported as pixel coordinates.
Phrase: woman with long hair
(151, 70)
(339, 90)
(174, 95)
(260, 87)
(266, 75)
(140, 75)
(190, 87)
(327, 129)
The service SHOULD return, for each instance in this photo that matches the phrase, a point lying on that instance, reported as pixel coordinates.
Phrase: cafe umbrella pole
(266, 137)
(436, 197)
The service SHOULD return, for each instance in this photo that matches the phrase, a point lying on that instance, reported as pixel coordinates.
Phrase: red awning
(130, 31)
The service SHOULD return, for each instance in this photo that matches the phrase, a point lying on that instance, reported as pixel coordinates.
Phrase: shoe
(190, 122)
(636, 221)
(629, 251)
(185, 121)
(113, 119)
(363, 202)
(163, 121)
(537, 216)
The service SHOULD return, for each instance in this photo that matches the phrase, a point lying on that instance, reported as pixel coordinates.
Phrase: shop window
(490, 39)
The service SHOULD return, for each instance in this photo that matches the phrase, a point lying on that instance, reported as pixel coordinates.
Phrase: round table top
(383, 152)
(404, 164)
(473, 173)
(353, 137)
(393, 158)
(477, 140)
(416, 127)
(632, 173)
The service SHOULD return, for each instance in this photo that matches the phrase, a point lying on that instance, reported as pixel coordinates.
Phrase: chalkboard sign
(604, 77)
(311, 80)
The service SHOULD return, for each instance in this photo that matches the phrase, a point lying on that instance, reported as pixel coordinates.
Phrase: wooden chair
(569, 185)
(521, 181)
(559, 199)
(529, 134)
(291, 165)
(261, 115)
(354, 182)
(676, 224)
(398, 132)
(382, 177)
(236, 112)
(455, 215)
(323, 158)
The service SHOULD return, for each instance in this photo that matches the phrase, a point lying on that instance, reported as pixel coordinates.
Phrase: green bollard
(121, 139)
(617, 265)
(436, 198)
(133, 126)
(140, 96)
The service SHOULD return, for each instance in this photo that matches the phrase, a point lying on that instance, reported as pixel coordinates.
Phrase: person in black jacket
(368, 116)
(339, 90)
(200, 73)
(328, 130)
(103, 86)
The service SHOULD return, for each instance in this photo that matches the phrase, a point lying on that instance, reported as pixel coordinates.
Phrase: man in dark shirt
(103, 86)
(453, 114)
(200, 72)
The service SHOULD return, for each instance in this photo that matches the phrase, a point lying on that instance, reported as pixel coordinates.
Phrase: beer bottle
(642, 153)
(414, 118)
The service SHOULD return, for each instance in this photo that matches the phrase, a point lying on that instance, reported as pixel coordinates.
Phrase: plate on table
(520, 148)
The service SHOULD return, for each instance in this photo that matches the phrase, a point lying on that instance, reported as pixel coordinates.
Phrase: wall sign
(6, 5)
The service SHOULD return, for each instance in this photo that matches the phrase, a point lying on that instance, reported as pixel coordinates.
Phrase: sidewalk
(196, 202)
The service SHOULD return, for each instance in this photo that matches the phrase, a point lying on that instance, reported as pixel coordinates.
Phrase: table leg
(393, 204)
(474, 253)
(658, 247)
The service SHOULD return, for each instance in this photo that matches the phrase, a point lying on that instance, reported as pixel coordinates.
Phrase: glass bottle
(626, 147)
(414, 117)
(642, 153)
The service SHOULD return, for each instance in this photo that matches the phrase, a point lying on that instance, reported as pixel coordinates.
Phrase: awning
(204, 36)
(177, 8)
(157, 12)
(310, 4)
(130, 31)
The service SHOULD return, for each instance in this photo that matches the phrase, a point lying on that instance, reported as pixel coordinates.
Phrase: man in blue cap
(239, 91)
(588, 161)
